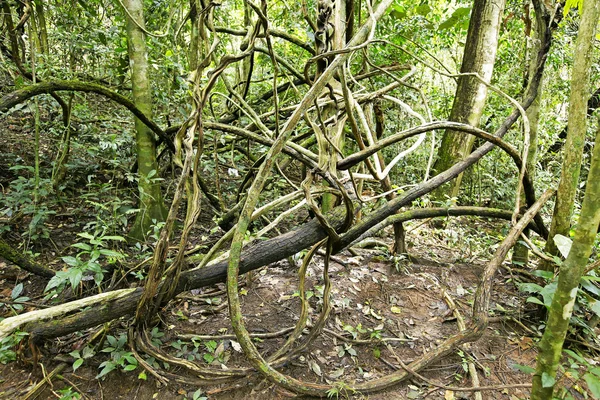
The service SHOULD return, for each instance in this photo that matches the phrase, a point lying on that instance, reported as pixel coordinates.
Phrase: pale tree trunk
(330, 35)
(479, 57)
(576, 130)
(521, 252)
(152, 208)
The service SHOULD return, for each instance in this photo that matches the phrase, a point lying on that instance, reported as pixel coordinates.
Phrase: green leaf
(87, 352)
(456, 17)
(72, 261)
(77, 364)
(398, 12)
(114, 237)
(85, 235)
(563, 244)
(524, 368)
(82, 246)
(17, 290)
(130, 367)
(572, 4)
(75, 275)
(544, 274)
(55, 281)
(575, 356)
(142, 376)
(423, 9)
(111, 253)
(535, 300)
(593, 383)
(548, 293)
(530, 287)
(595, 307)
(94, 255)
(208, 358)
(589, 286)
(547, 380)
(108, 366)
(75, 354)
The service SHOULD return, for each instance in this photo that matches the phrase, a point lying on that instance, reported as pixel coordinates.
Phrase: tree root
(471, 333)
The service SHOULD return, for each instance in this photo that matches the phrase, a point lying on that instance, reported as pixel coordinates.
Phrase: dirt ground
(404, 304)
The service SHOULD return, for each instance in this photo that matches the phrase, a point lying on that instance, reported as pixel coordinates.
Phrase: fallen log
(255, 256)
(22, 261)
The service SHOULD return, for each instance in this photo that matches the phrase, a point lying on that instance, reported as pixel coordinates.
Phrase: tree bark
(561, 309)
(577, 128)
(521, 252)
(254, 257)
(151, 205)
(479, 57)
(19, 259)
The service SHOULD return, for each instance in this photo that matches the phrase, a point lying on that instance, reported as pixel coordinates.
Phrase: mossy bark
(550, 348)
(18, 258)
(479, 57)
(573, 152)
(42, 26)
(521, 252)
(151, 205)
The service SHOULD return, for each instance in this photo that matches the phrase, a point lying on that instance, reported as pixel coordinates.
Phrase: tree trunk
(576, 131)
(479, 56)
(42, 27)
(521, 252)
(152, 208)
(550, 348)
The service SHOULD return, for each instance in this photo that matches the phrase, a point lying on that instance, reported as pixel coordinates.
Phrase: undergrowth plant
(87, 263)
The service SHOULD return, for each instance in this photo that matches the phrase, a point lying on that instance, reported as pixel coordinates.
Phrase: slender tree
(538, 30)
(152, 208)
(471, 94)
(559, 315)
(577, 128)
(550, 348)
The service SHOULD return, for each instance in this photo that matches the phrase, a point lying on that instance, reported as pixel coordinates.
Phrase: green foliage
(569, 4)
(214, 352)
(68, 394)
(459, 16)
(86, 264)
(197, 395)
(16, 298)
(587, 300)
(80, 357)
(19, 199)
(8, 344)
(577, 367)
(346, 349)
(119, 358)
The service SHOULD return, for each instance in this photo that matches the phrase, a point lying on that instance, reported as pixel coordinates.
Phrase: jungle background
(275, 199)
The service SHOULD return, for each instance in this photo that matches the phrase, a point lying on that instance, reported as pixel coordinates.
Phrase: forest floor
(404, 303)
(385, 309)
